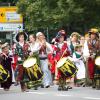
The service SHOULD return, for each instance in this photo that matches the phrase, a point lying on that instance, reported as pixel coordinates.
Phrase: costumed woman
(43, 55)
(74, 40)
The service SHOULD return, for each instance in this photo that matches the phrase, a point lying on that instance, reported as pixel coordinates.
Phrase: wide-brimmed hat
(94, 31)
(75, 33)
(21, 33)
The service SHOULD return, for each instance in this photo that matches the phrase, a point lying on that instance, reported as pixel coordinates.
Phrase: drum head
(29, 62)
(61, 62)
(97, 61)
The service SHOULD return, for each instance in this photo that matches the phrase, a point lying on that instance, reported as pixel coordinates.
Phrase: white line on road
(37, 92)
(1, 88)
(64, 95)
(91, 98)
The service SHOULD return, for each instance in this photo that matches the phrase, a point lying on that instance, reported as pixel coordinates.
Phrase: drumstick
(63, 53)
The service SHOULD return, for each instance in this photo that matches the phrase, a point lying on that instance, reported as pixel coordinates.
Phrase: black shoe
(65, 89)
(35, 88)
(59, 88)
(93, 87)
(69, 87)
(47, 86)
(42, 86)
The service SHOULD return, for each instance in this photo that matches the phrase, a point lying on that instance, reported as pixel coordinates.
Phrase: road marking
(37, 92)
(91, 98)
(63, 95)
(1, 88)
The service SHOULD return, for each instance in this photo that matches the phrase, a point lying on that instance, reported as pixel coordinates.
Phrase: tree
(73, 15)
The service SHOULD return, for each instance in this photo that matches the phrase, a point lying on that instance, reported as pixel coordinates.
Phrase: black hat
(21, 33)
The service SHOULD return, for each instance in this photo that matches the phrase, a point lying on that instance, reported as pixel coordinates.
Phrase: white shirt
(34, 47)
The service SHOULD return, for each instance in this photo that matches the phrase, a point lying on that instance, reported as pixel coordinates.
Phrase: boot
(59, 88)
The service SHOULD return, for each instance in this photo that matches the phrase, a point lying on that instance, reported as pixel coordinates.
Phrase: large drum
(4, 75)
(67, 67)
(32, 69)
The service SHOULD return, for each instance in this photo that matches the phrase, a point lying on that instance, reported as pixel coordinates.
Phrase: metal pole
(47, 34)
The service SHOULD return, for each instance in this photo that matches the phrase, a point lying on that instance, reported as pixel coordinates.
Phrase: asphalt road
(77, 93)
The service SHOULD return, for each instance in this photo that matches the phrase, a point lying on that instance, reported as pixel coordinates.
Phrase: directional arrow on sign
(2, 14)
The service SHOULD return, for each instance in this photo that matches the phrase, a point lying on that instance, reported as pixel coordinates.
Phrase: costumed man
(34, 48)
(78, 60)
(5, 61)
(62, 51)
(21, 51)
(43, 55)
(94, 48)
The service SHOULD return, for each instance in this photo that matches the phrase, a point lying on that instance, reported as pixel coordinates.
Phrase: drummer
(63, 51)
(5, 61)
(21, 51)
(34, 48)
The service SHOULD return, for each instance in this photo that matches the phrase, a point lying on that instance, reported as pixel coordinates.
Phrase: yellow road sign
(10, 15)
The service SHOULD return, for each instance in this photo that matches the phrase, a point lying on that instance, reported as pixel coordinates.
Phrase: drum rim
(57, 65)
(96, 60)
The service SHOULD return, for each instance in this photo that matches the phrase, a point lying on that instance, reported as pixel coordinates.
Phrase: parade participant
(21, 51)
(6, 63)
(86, 55)
(52, 59)
(97, 71)
(93, 44)
(82, 41)
(14, 63)
(78, 60)
(74, 41)
(34, 48)
(62, 51)
(43, 53)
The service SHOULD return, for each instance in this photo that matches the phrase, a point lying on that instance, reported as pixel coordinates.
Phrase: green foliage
(74, 15)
